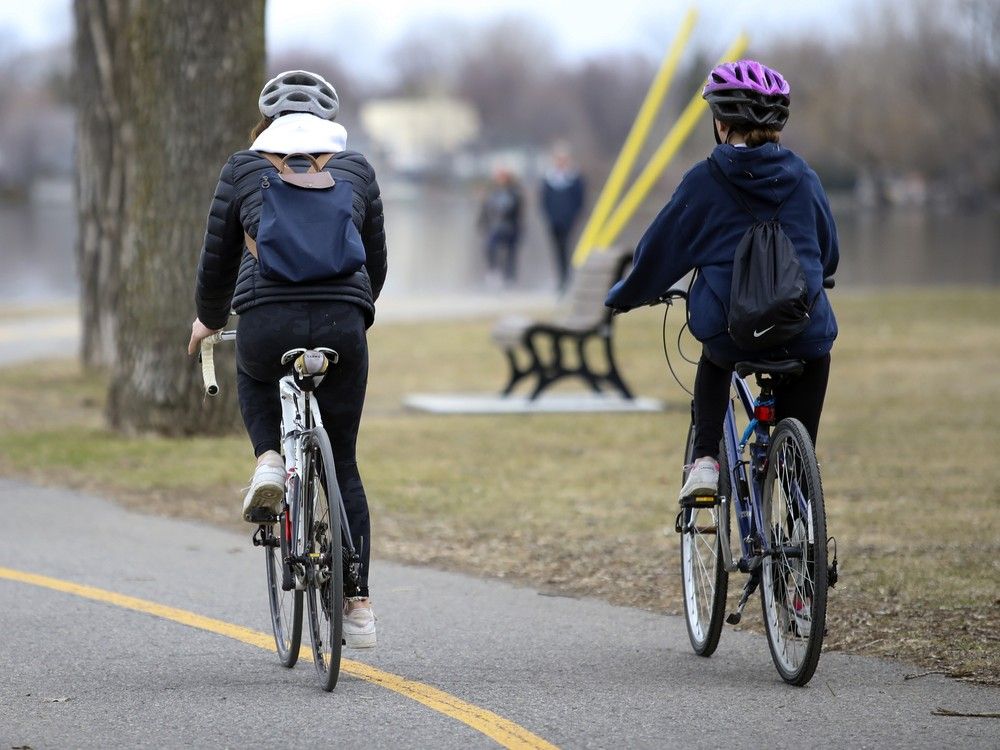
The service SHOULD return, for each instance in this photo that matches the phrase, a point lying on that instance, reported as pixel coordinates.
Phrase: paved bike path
(577, 673)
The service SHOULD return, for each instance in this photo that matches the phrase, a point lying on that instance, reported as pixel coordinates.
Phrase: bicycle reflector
(764, 413)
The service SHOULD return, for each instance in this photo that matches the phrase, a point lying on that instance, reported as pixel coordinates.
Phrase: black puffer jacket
(228, 275)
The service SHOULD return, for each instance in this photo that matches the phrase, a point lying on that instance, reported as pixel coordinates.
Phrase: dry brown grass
(584, 504)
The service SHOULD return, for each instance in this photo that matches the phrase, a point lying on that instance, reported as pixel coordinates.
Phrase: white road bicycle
(307, 545)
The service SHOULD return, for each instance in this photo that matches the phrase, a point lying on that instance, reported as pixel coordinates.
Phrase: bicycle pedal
(262, 516)
(700, 501)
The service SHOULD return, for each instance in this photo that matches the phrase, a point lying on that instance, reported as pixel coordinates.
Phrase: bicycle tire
(793, 588)
(704, 579)
(324, 546)
(286, 606)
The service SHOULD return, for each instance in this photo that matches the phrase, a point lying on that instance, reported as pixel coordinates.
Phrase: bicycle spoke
(793, 593)
(325, 579)
(285, 606)
(703, 576)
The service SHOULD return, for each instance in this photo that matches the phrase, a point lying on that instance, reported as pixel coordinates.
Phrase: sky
(360, 32)
(581, 27)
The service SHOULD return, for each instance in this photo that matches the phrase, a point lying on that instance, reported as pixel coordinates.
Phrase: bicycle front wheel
(286, 606)
(703, 572)
(794, 573)
(324, 550)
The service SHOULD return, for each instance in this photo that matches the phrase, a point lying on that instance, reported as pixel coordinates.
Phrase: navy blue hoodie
(702, 225)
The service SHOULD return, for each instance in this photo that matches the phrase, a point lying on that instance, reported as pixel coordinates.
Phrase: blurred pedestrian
(562, 201)
(500, 222)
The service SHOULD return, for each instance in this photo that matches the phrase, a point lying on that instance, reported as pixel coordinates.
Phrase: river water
(434, 248)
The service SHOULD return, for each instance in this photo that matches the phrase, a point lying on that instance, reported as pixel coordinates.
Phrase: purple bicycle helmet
(748, 94)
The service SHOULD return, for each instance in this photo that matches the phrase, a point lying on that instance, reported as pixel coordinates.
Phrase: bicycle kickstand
(733, 618)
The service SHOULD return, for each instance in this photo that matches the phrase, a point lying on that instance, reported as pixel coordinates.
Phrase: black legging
(501, 252)
(801, 398)
(560, 246)
(267, 331)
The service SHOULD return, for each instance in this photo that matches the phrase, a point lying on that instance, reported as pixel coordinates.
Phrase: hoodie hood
(769, 173)
(301, 132)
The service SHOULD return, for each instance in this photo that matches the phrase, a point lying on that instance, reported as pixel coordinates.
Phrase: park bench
(538, 349)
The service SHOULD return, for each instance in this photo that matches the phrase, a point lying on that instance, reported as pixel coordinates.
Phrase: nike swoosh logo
(757, 334)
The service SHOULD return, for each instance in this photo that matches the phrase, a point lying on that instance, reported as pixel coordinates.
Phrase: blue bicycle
(768, 477)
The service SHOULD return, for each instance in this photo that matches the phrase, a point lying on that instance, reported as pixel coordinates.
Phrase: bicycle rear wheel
(286, 606)
(794, 573)
(324, 548)
(703, 572)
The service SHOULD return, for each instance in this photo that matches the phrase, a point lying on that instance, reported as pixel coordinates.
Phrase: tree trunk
(100, 84)
(195, 69)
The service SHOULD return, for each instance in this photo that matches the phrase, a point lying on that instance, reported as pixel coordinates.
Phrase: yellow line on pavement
(504, 732)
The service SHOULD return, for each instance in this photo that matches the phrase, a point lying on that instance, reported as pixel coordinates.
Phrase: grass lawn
(584, 504)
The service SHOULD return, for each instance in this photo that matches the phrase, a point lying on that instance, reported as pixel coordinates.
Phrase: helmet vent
(298, 80)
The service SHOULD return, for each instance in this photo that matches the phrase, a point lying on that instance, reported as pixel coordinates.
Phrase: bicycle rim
(325, 589)
(286, 606)
(794, 576)
(703, 574)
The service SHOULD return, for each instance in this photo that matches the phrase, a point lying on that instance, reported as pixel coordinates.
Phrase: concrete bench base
(550, 403)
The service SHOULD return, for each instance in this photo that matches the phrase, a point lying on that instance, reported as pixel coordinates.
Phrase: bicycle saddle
(316, 358)
(789, 367)
(310, 365)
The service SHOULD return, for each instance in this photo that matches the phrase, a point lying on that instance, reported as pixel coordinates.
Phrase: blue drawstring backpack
(306, 231)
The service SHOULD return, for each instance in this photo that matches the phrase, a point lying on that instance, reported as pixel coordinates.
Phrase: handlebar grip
(208, 365)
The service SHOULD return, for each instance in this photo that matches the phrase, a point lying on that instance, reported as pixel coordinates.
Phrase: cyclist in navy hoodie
(700, 228)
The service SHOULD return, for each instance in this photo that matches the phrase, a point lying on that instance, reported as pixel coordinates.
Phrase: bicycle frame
(746, 487)
(299, 415)
(298, 410)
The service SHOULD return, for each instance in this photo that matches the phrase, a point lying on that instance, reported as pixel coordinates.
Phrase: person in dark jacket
(562, 200)
(701, 227)
(500, 221)
(298, 109)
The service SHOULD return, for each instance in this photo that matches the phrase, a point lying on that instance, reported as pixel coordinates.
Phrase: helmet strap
(715, 132)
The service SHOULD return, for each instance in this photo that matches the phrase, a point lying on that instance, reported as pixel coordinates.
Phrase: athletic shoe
(267, 490)
(702, 480)
(359, 623)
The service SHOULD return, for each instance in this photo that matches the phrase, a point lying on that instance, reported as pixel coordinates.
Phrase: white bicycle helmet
(299, 91)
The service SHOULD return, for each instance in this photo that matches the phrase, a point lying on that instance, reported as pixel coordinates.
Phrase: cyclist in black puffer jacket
(298, 109)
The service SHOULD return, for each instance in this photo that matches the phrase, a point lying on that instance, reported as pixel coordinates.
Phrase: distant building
(420, 135)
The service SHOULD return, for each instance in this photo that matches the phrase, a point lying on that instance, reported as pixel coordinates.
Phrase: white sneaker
(702, 480)
(267, 490)
(359, 623)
